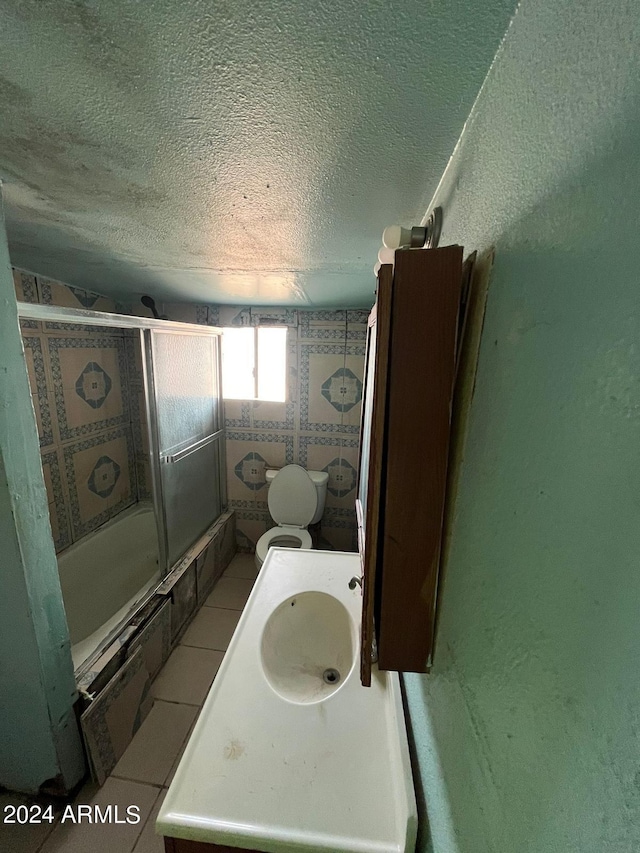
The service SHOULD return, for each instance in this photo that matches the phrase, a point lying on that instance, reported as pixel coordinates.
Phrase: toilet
(296, 500)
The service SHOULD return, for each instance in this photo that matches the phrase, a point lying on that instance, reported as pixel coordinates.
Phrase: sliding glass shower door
(184, 374)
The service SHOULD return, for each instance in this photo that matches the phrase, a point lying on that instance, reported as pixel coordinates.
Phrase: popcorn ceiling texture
(527, 728)
(239, 153)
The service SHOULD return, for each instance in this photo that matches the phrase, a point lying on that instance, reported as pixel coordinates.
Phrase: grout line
(136, 781)
(181, 751)
(147, 820)
(179, 702)
(168, 702)
(219, 607)
(253, 580)
(55, 824)
(209, 648)
(158, 788)
(236, 577)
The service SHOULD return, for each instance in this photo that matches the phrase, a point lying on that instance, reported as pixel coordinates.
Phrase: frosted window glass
(185, 376)
(272, 364)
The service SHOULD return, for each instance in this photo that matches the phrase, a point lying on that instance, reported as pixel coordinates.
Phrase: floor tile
(150, 755)
(242, 566)
(110, 837)
(172, 772)
(231, 593)
(212, 628)
(149, 841)
(188, 674)
(21, 837)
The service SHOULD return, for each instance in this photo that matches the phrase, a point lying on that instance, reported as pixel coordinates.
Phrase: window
(254, 363)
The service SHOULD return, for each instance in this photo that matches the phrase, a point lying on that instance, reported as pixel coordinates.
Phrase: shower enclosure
(183, 369)
(109, 574)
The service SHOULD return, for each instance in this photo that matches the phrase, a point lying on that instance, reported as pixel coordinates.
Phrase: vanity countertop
(280, 762)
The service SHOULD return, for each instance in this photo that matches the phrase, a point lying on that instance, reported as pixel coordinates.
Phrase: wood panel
(421, 371)
(380, 328)
(466, 369)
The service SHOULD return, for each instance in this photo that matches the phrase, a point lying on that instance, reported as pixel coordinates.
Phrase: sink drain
(331, 676)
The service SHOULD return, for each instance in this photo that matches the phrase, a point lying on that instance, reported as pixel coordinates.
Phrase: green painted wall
(527, 730)
(39, 739)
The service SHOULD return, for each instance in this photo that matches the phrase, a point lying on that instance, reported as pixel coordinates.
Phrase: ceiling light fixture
(386, 254)
(397, 237)
(427, 235)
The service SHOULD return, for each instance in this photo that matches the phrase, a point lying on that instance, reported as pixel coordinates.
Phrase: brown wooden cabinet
(404, 440)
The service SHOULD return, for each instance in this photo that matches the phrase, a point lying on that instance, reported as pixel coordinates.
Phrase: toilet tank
(320, 480)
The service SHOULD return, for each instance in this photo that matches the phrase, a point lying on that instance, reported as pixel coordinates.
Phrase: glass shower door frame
(143, 326)
(154, 448)
(158, 458)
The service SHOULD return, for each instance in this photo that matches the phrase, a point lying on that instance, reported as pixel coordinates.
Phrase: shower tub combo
(105, 575)
(110, 574)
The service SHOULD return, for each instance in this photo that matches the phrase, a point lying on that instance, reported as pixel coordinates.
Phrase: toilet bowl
(282, 536)
(296, 499)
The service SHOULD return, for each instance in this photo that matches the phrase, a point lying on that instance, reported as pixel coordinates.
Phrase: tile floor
(146, 769)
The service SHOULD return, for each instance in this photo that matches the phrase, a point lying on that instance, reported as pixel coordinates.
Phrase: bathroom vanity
(289, 752)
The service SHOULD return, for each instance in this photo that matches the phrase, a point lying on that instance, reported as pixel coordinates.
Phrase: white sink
(308, 647)
(290, 752)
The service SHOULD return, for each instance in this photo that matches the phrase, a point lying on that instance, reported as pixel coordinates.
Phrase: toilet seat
(283, 531)
(292, 497)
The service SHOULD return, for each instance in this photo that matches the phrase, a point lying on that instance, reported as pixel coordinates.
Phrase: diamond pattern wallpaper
(317, 427)
(85, 384)
(343, 390)
(104, 477)
(93, 385)
(89, 401)
(343, 477)
(251, 470)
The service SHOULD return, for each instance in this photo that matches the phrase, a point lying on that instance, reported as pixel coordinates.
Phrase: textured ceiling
(238, 152)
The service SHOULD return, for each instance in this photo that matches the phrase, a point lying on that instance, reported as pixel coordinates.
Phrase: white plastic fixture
(292, 497)
(307, 635)
(386, 256)
(290, 752)
(395, 236)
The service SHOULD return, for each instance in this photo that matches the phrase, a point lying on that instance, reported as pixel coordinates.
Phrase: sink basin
(308, 647)
(290, 752)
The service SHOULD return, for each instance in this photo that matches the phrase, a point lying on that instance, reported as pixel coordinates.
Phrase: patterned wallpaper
(318, 427)
(87, 395)
(89, 402)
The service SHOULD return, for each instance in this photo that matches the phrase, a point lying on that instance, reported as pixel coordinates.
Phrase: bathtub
(105, 574)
